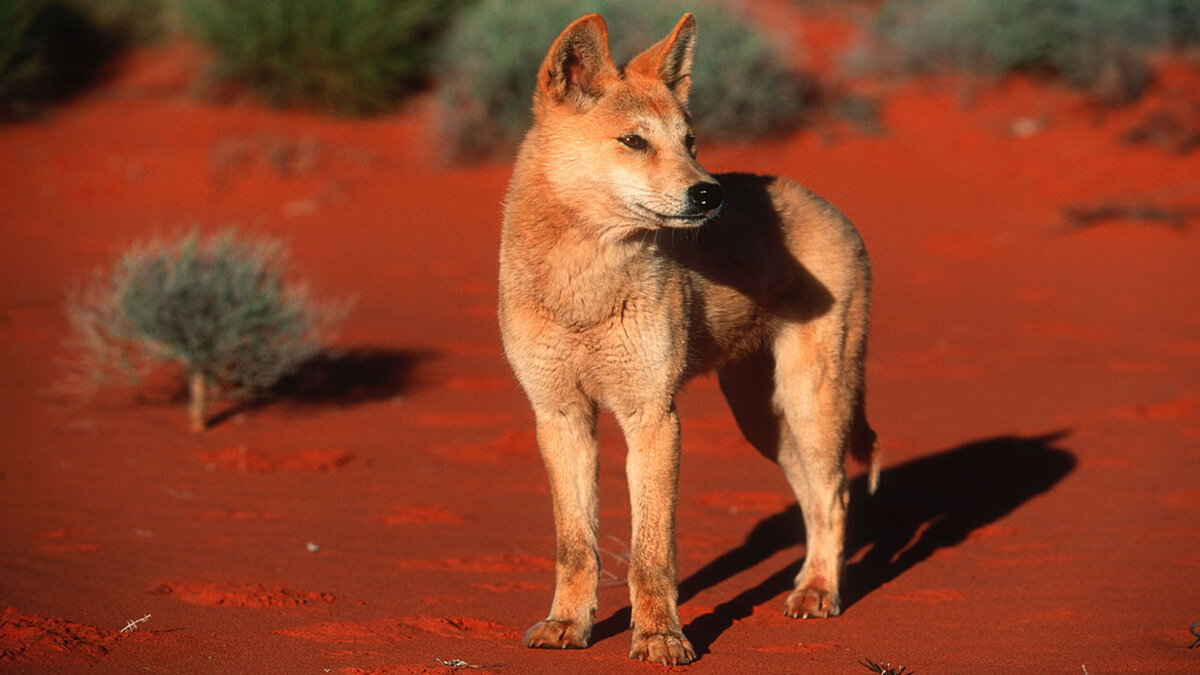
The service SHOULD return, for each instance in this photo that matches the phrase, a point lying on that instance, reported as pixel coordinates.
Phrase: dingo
(626, 269)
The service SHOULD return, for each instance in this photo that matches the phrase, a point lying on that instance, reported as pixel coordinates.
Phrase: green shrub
(742, 87)
(1183, 22)
(346, 56)
(49, 50)
(20, 63)
(218, 305)
(1097, 45)
(131, 22)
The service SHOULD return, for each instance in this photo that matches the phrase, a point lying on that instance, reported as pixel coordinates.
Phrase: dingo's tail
(864, 445)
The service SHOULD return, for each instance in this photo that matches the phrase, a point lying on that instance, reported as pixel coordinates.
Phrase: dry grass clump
(218, 305)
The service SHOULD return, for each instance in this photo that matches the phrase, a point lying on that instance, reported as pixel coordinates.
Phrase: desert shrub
(1098, 45)
(19, 61)
(347, 56)
(1183, 23)
(48, 51)
(218, 305)
(742, 86)
(131, 22)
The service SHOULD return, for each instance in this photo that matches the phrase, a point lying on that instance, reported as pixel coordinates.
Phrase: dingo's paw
(669, 649)
(555, 634)
(811, 602)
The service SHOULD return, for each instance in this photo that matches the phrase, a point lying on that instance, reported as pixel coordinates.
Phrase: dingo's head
(618, 142)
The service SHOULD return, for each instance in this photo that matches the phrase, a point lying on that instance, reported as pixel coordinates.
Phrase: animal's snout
(705, 196)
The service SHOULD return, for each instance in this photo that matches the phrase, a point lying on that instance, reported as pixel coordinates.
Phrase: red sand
(1037, 389)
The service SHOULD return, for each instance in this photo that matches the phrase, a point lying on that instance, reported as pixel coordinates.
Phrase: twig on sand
(1080, 217)
(885, 669)
(133, 624)
(622, 556)
(459, 664)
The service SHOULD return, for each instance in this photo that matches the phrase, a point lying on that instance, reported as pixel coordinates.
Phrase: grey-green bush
(742, 86)
(218, 305)
(346, 56)
(1100, 46)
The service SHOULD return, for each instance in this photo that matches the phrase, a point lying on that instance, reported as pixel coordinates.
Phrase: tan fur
(615, 290)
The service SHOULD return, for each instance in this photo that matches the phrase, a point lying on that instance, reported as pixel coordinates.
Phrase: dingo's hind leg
(796, 404)
(749, 387)
(818, 380)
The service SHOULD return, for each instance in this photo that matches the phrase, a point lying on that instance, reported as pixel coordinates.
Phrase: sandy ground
(1036, 387)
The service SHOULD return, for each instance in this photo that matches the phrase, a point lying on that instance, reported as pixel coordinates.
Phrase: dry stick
(1079, 217)
(610, 579)
(458, 664)
(197, 388)
(133, 624)
(883, 669)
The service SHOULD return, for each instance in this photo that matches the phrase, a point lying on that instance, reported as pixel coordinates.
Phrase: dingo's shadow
(924, 505)
(341, 378)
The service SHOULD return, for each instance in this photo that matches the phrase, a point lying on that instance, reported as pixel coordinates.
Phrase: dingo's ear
(671, 59)
(578, 66)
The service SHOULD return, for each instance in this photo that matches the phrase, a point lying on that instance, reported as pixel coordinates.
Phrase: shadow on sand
(924, 505)
(342, 378)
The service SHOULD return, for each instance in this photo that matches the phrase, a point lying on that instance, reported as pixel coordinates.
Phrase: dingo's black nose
(705, 196)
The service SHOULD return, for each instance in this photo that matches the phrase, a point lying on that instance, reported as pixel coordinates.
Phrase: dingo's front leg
(652, 468)
(567, 440)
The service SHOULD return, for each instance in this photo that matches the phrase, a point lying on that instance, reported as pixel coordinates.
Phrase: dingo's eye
(634, 141)
(689, 142)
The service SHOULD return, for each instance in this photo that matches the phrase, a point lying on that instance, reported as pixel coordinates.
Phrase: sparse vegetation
(48, 51)
(1101, 46)
(20, 62)
(742, 85)
(346, 56)
(131, 22)
(218, 305)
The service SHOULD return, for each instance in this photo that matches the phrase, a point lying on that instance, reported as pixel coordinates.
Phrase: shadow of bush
(350, 377)
(341, 378)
